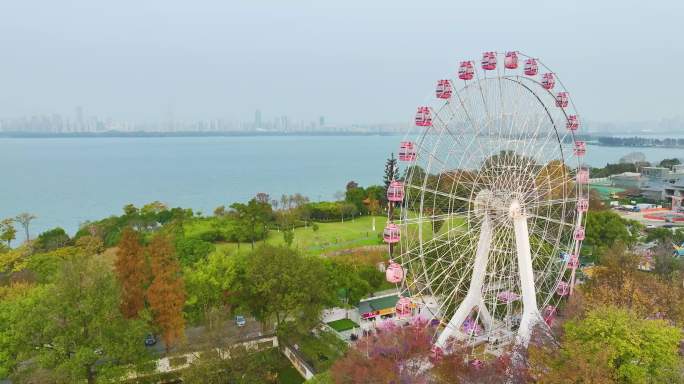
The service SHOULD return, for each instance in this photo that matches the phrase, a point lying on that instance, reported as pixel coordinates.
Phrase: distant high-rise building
(257, 119)
(79, 119)
(321, 121)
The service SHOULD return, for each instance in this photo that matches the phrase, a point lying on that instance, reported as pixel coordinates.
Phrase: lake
(67, 181)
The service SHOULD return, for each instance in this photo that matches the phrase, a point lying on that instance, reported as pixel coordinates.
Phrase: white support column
(529, 294)
(474, 296)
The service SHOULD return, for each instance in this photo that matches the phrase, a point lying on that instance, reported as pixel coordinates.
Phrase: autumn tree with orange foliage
(619, 282)
(131, 271)
(166, 294)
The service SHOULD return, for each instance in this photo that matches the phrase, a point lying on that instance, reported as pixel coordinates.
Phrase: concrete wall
(298, 362)
(333, 314)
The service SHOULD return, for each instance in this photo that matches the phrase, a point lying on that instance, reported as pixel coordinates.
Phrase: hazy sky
(352, 61)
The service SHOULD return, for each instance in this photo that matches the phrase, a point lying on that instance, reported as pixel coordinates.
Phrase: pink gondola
(443, 90)
(531, 68)
(423, 117)
(470, 326)
(578, 234)
(511, 60)
(395, 191)
(407, 151)
(477, 363)
(394, 273)
(582, 205)
(489, 61)
(573, 262)
(548, 81)
(563, 289)
(466, 71)
(562, 99)
(573, 123)
(580, 148)
(391, 234)
(582, 176)
(403, 307)
(507, 296)
(549, 314)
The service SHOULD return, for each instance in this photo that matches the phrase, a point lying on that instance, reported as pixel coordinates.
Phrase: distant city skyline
(353, 62)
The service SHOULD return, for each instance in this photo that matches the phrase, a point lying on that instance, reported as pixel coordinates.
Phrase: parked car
(240, 321)
(150, 340)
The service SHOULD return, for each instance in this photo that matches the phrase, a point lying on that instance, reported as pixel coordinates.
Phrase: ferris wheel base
(474, 300)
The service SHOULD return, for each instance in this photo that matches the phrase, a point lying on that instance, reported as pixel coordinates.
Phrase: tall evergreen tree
(391, 170)
(131, 271)
(166, 294)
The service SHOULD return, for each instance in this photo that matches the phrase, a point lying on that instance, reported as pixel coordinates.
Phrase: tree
(166, 294)
(391, 171)
(132, 272)
(356, 195)
(51, 240)
(243, 366)
(73, 329)
(605, 228)
(288, 236)
(191, 250)
(7, 231)
(253, 217)
(613, 345)
(669, 163)
(220, 211)
(25, 219)
(209, 286)
(618, 282)
(280, 284)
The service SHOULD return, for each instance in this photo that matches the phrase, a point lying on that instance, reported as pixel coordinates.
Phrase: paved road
(197, 338)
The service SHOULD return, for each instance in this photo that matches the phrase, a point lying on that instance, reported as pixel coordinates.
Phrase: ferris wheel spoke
(439, 193)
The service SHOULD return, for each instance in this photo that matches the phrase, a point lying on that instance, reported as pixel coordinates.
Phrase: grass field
(343, 325)
(328, 238)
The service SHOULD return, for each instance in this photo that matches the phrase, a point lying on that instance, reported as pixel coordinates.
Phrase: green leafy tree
(7, 231)
(288, 237)
(16, 302)
(626, 349)
(669, 163)
(51, 240)
(253, 217)
(74, 330)
(191, 250)
(209, 286)
(605, 228)
(356, 195)
(280, 284)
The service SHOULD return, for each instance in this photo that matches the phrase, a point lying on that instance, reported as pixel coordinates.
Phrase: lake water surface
(67, 181)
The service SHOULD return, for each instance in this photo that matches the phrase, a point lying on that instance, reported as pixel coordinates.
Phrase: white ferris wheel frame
(519, 216)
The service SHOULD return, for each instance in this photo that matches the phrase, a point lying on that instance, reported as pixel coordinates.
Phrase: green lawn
(289, 375)
(329, 236)
(343, 325)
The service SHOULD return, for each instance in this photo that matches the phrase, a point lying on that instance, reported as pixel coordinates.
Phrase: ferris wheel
(486, 221)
